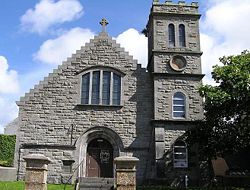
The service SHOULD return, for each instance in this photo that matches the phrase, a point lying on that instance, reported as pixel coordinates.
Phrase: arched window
(182, 36)
(101, 88)
(180, 154)
(171, 35)
(179, 105)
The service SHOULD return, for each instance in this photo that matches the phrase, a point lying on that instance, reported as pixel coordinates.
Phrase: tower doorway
(99, 159)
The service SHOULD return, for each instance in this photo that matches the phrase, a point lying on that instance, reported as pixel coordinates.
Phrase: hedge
(7, 149)
(190, 188)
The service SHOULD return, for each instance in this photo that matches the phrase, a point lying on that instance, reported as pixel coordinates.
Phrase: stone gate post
(126, 172)
(36, 172)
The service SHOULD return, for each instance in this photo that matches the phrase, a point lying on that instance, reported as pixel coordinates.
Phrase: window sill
(179, 118)
(112, 107)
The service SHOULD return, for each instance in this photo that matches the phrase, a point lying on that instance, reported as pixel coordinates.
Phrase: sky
(37, 35)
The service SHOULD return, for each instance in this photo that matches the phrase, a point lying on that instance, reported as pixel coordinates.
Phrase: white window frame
(180, 105)
(101, 86)
(180, 162)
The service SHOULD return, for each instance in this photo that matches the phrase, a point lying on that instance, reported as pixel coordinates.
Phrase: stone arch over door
(94, 133)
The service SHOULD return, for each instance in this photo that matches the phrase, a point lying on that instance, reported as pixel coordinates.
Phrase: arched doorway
(99, 160)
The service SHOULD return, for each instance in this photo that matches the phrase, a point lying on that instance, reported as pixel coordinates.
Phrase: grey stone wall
(166, 135)
(171, 135)
(143, 123)
(162, 63)
(172, 8)
(167, 81)
(48, 111)
(11, 128)
(55, 169)
(161, 15)
(165, 87)
(161, 33)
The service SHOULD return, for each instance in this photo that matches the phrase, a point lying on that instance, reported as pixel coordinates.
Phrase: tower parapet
(170, 7)
(173, 27)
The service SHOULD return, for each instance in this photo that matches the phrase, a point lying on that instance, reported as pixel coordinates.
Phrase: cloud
(48, 13)
(9, 88)
(8, 78)
(136, 44)
(8, 110)
(225, 31)
(8, 107)
(54, 51)
(1, 129)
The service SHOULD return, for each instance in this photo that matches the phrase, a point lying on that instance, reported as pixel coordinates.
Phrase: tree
(226, 127)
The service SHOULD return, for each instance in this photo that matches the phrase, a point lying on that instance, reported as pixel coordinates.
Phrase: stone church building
(101, 104)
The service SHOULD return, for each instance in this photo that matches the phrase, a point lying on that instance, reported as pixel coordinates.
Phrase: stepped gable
(83, 58)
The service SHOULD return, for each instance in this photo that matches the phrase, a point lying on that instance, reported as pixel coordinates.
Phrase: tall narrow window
(95, 87)
(106, 88)
(171, 35)
(182, 36)
(180, 156)
(179, 108)
(116, 89)
(85, 89)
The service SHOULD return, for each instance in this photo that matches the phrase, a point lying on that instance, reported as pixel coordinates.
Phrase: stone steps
(90, 183)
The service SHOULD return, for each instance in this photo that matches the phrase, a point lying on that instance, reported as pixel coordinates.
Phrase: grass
(20, 186)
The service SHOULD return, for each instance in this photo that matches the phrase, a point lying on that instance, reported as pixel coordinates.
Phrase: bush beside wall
(7, 149)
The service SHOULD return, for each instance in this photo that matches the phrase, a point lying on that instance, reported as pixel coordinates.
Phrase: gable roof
(78, 59)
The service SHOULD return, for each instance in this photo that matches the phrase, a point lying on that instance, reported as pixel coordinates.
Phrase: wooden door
(93, 168)
(99, 159)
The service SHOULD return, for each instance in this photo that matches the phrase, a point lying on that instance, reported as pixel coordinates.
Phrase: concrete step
(96, 183)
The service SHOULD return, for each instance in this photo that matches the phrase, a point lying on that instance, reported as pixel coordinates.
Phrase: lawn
(20, 186)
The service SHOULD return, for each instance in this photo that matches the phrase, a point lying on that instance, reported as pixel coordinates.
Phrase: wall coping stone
(37, 157)
(126, 159)
(48, 146)
(199, 76)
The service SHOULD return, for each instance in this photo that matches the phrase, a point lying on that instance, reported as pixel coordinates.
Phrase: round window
(178, 63)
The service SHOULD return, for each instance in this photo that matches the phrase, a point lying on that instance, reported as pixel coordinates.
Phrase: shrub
(7, 149)
(190, 188)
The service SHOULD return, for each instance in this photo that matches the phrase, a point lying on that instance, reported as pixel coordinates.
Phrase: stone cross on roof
(104, 23)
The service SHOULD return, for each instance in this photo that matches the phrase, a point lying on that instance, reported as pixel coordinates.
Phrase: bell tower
(175, 65)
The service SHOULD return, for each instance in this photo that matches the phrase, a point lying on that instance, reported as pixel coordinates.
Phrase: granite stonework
(11, 128)
(166, 86)
(53, 122)
(126, 172)
(48, 111)
(167, 81)
(36, 172)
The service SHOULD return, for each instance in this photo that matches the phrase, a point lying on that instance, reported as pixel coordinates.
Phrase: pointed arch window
(179, 105)
(182, 35)
(180, 154)
(171, 35)
(101, 87)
